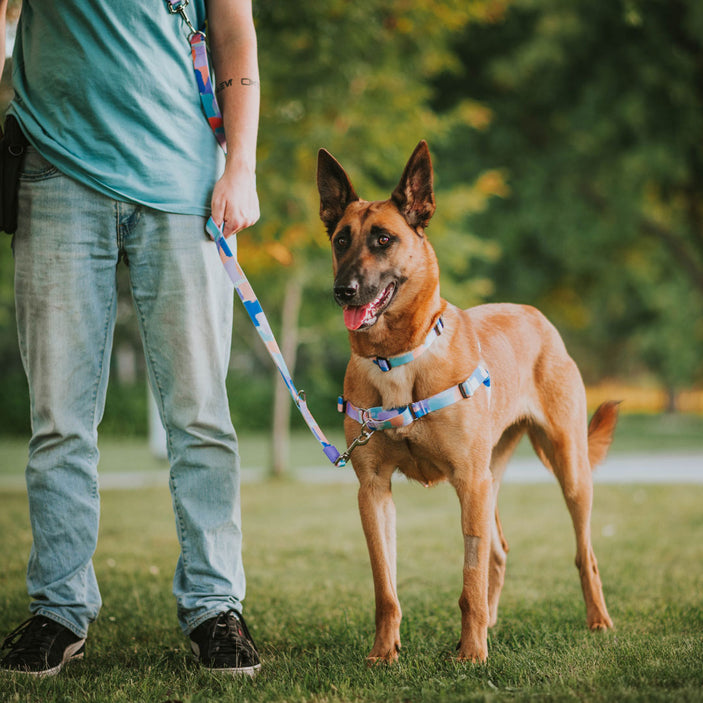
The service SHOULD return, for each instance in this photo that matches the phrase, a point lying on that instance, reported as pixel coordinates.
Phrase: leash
(371, 419)
(258, 318)
(201, 66)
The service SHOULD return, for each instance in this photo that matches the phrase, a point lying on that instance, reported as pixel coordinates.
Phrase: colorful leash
(258, 317)
(201, 65)
(251, 304)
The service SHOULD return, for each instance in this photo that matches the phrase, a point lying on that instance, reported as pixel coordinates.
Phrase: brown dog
(445, 394)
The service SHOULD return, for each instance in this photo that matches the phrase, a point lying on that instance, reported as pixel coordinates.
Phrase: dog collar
(379, 418)
(388, 363)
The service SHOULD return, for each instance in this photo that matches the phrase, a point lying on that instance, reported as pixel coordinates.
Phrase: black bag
(13, 145)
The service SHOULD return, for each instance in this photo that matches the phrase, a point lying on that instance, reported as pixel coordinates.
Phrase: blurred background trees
(568, 148)
(597, 120)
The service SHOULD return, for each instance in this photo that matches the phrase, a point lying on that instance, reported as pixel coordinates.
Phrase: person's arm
(233, 46)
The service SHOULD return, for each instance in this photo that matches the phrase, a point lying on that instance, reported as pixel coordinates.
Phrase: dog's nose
(345, 293)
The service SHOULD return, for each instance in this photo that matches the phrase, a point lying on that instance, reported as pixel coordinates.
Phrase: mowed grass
(310, 600)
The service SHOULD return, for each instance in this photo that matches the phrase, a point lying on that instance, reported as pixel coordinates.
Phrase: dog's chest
(395, 387)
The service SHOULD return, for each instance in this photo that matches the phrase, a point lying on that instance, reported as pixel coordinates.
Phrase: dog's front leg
(378, 520)
(477, 506)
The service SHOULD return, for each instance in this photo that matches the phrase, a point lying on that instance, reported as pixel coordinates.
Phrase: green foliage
(597, 122)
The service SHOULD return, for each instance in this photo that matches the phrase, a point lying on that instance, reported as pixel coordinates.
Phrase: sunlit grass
(310, 600)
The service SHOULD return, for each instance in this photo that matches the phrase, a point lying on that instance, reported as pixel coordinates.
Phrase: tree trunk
(280, 440)
(671, 400)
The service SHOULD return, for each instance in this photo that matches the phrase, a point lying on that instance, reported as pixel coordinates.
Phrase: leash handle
(246, 294)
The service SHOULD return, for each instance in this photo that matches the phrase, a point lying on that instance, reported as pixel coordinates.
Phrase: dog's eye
(341, 243)
(383, 240)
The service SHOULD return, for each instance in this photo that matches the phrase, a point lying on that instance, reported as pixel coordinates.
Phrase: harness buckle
(382, 363)
(418, 410)
(465, 389)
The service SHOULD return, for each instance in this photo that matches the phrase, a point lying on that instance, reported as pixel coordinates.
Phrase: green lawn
(310, 600)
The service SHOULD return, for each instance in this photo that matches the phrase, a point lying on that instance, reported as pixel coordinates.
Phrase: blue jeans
(67, 246)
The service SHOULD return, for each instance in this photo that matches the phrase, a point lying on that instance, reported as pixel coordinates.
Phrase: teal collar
(388, 363)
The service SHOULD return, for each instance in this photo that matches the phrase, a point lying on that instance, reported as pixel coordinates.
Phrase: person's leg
(184, 302)
(65, 259)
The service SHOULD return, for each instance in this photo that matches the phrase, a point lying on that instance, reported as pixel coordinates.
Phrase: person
(122, 165)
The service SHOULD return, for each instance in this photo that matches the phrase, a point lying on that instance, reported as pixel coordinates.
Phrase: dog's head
(379, 248)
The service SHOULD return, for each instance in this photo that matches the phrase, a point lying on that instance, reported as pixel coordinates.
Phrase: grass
(310, 600)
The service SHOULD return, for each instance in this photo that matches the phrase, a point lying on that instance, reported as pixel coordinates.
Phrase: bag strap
(201, 67)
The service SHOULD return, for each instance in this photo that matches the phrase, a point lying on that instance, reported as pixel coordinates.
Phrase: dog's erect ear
(336, 190)
(414, 195)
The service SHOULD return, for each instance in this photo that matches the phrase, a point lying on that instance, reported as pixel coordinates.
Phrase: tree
(597, 123)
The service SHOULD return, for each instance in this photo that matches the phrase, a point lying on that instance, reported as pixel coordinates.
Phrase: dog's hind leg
(377, 512)
(566, 452)
(496, 569)
(499, 546)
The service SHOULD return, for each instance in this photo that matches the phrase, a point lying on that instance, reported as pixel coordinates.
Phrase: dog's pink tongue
(354, 317)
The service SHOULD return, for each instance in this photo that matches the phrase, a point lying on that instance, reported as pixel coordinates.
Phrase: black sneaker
(223, 644)
(40, 647)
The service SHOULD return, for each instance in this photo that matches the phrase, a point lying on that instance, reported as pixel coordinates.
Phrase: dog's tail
(600, 431)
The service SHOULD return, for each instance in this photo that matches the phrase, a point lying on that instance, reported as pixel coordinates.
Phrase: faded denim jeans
(68, 242)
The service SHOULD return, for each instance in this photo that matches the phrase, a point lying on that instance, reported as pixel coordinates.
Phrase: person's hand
(235, 204)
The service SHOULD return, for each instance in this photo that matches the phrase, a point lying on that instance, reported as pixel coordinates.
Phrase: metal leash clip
(178, 7)
(362, 439)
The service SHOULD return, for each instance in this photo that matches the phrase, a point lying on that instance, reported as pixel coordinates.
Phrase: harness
(388, 363)
(380, 418)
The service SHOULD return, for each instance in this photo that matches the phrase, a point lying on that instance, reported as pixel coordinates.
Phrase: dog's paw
(472, 655)
(378, 656)
(601, 625)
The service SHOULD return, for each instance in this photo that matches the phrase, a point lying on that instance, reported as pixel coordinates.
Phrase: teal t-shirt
(105, 90)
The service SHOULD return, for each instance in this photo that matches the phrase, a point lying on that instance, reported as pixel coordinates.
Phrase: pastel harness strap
(379, 418)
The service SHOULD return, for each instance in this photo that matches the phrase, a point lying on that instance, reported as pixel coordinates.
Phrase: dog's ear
(414, 195)
(336, 190)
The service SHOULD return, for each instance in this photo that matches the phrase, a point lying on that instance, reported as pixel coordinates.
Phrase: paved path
(627, 468)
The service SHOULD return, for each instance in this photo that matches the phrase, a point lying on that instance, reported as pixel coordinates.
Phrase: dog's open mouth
(362, 316)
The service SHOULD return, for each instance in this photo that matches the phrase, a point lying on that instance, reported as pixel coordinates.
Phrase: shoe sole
(250, 671)
(73, 652)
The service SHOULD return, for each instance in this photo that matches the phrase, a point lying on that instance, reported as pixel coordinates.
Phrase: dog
(444, 394)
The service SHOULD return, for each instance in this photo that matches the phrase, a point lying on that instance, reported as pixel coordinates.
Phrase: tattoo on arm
(229, 82)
